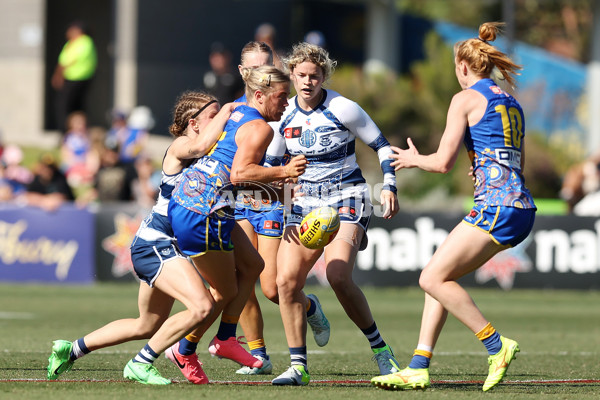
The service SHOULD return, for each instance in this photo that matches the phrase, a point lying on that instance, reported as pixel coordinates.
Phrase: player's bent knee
(338, 280)
(427, 282)
(271, 293)
(287, 287)
(201, 311)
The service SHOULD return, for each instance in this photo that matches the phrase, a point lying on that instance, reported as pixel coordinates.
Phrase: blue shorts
(148, 259)
(265, 222)
(505, 225)
(197, 233)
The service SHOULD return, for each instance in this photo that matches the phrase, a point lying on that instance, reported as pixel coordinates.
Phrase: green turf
(558, 332)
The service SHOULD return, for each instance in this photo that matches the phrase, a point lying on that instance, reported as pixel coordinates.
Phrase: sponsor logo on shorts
(272, 225)
(347, 210)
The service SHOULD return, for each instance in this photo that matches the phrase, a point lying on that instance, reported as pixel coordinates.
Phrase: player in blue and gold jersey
(201, 210)
(491, 124)
(157, 260)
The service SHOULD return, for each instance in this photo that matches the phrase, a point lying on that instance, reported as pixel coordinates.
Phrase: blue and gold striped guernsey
(201, 183)
(495, 144)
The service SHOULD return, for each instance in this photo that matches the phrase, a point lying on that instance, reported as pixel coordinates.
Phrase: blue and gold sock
(227, 327)
(421, 358)
(258, 348)
(188, 345)
(490, 339)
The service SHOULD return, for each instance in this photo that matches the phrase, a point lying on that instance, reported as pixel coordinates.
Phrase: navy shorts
(505, 225)
(197, 233)
(149, 258)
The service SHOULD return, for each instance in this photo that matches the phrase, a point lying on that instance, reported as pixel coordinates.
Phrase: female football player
(491, 124)
(323, 125)
(197, 124)
(263, 220)
(201, 211)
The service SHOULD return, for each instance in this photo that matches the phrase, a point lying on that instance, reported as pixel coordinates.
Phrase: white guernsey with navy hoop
(326, 136)
(155, 242)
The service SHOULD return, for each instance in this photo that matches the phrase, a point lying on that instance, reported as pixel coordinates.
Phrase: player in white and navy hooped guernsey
(323, 126)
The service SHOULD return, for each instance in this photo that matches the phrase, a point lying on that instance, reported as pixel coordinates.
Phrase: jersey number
(512, 124)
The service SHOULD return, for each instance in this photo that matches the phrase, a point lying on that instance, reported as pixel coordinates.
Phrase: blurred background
(395, 60)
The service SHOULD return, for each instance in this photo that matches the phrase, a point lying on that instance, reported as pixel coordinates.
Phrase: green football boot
(499, 362)
(144, 373)
(60, 359)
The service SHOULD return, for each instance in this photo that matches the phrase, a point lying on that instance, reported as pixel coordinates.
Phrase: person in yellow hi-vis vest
(73, 73)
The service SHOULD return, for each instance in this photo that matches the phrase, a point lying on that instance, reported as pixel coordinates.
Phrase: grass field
(558, 332)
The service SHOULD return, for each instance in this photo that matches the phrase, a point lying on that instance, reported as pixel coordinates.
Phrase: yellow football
(319, 227)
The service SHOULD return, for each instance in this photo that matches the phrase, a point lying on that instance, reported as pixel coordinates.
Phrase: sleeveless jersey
(494, 145)
(201, 188)
(326, 136)
(156, 226)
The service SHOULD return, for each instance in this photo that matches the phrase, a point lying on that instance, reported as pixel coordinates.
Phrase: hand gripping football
(319, 227)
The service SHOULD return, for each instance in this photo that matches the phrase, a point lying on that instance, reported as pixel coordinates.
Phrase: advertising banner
(116, 225)
(79, 246)
(41, 246)
(561, 252)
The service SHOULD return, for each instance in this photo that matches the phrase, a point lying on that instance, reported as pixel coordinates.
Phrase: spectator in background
(9, 189)
(222, 81)
(114, 179)
(266, 32)
(131, 133)
(581, 187)
(78, 162)
(73, 73)
(316, 37)
(147, 184)
(12, 157)
(49, 188)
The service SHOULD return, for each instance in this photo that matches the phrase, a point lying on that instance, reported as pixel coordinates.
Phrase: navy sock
(312, 307)
(298, 356)
(373, 336)
(146, 355)
(186, 347)
(79, 349)
(226, 330)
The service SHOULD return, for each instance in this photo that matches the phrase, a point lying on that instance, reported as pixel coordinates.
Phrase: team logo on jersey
(272, 225)
(324, 141)
(308, 138)
(497, 90)
(236, 116)
(293, 133)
